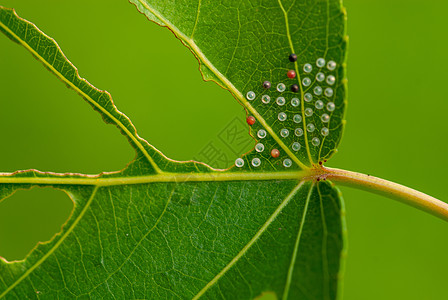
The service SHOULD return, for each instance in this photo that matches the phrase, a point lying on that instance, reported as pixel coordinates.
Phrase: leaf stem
(389, 189)
(348, 178)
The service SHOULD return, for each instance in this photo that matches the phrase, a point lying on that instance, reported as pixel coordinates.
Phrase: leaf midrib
(296, 67)
(98, 180)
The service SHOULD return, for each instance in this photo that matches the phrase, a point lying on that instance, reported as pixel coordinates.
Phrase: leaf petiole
(387, 188)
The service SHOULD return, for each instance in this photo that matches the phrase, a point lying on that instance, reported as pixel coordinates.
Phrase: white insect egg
(319, 104)
(250, 95)
(284, 132)
(281, 101)
(325, 118)
(320, 77)
(315, 141)
(281, 87)
(256, 162)
(320, 62)
(261, 133)
(331, 65)
(310, 127)
(308, 97)
(295, 146)
(307, 68)
(282, 116)
(297, 118)
(318, 90)
(331, 106)
(328, 92)
(239, 162)
(308, 112)
(265, 99)
(306, 81)
(259, 147)
(295, 102)
(331, 80)
(325, 131)
(287, 162)
(298, 131)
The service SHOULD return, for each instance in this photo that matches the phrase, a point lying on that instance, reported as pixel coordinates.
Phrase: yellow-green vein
(325, 271)
(138, 243)
(62, 179)
(251, 242)
(296, 66)
(296, 246)
(197, 19)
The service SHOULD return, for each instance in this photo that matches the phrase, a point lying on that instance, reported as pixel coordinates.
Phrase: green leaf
(167, 229)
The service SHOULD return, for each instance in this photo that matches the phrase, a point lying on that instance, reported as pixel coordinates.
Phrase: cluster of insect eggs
(295, 102)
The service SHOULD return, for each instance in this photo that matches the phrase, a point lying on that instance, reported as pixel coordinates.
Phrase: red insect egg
(250, 120)
(291, 74)
(275, 153)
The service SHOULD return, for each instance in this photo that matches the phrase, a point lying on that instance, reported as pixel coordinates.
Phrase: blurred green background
(398, 102)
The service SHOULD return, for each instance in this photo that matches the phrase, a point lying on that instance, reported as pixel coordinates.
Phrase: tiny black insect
(293, 57)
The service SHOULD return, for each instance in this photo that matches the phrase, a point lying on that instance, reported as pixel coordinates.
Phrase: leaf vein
(251, 242)
(296, 245)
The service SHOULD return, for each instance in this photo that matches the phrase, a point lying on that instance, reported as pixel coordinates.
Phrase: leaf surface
(167, 229)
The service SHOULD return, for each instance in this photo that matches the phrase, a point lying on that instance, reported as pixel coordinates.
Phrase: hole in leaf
(30, 216)
(47, 126)
(158, 87)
